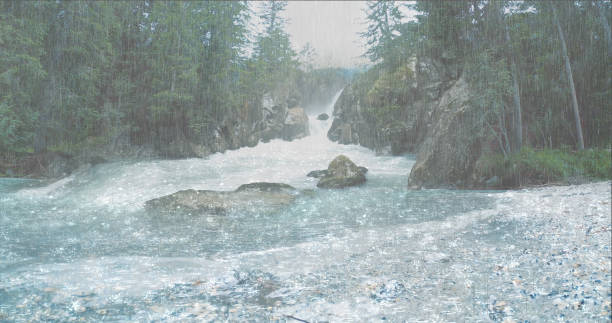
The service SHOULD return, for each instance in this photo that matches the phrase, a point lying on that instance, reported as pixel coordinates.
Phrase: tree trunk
(518, 124)
(570, 77)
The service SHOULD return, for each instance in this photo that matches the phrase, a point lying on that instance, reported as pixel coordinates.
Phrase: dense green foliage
(511, 53)
(470, 36)
(78, 73)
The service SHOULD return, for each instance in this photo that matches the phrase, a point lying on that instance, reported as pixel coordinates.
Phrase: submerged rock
(342, 172)
(270, 196)
(323, 116)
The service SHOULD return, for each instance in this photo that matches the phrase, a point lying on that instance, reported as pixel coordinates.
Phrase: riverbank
(537, 167)
(529, 169)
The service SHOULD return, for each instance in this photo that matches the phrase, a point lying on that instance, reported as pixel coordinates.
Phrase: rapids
(84, 247)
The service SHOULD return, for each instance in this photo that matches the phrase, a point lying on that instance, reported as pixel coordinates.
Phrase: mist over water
(84, 247)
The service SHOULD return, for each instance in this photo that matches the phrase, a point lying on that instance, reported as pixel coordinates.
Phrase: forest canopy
(80, 73)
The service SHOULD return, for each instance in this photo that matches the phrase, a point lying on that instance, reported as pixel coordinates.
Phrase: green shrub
(531, 166)
(595, 163)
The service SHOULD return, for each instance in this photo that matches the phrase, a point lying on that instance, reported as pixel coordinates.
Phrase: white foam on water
(130, 184)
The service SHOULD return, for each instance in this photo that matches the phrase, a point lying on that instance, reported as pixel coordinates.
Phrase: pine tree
(384, 19)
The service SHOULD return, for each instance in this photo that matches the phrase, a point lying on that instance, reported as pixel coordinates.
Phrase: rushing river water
(84, 248)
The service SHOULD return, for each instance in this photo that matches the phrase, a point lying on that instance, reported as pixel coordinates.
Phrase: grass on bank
(534, 167)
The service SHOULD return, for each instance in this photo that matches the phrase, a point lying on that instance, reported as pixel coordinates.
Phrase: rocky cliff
(431, 116)
(447, 156)
(390, 111)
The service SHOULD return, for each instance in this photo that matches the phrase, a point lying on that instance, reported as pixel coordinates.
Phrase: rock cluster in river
(260, 195)
(341, 172)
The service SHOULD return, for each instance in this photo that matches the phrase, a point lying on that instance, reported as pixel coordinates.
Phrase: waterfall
(319, 128)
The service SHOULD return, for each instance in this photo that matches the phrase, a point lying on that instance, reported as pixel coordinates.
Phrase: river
(84, 248)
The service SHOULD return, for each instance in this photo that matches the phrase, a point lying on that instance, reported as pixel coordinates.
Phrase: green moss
(531, 166)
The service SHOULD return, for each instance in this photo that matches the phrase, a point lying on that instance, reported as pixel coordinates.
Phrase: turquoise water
(84, 248)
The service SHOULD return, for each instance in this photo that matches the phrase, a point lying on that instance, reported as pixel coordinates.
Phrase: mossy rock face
(342, 172)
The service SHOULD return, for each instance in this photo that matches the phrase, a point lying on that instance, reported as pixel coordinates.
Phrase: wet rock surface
(341, 172)
(448, 155)
(405, 132)
(295, 125)
(436, 123)
(248, 196)
(323, 172)
(323, 116)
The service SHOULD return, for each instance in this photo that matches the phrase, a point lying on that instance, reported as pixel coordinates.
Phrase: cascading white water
(84, 247)
(131, 184)
(319, 128)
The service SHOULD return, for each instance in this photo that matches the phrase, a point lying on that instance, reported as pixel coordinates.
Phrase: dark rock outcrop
(323, 116)
(448, 155)
(342, 172)
(280, 121)
(295, 125)
(355, 118)
(438, 123)
(261, 195)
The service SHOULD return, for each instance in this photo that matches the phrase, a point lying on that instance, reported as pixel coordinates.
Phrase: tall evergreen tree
(384, 18)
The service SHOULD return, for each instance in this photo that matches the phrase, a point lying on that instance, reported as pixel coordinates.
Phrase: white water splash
(129, 185)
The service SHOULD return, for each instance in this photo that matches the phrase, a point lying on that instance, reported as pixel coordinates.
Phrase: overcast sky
(331, 27)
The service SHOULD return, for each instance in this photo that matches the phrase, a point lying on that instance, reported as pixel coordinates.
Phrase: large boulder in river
(296, 124)
(323, 116)
(261, 195)
(342, 172)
